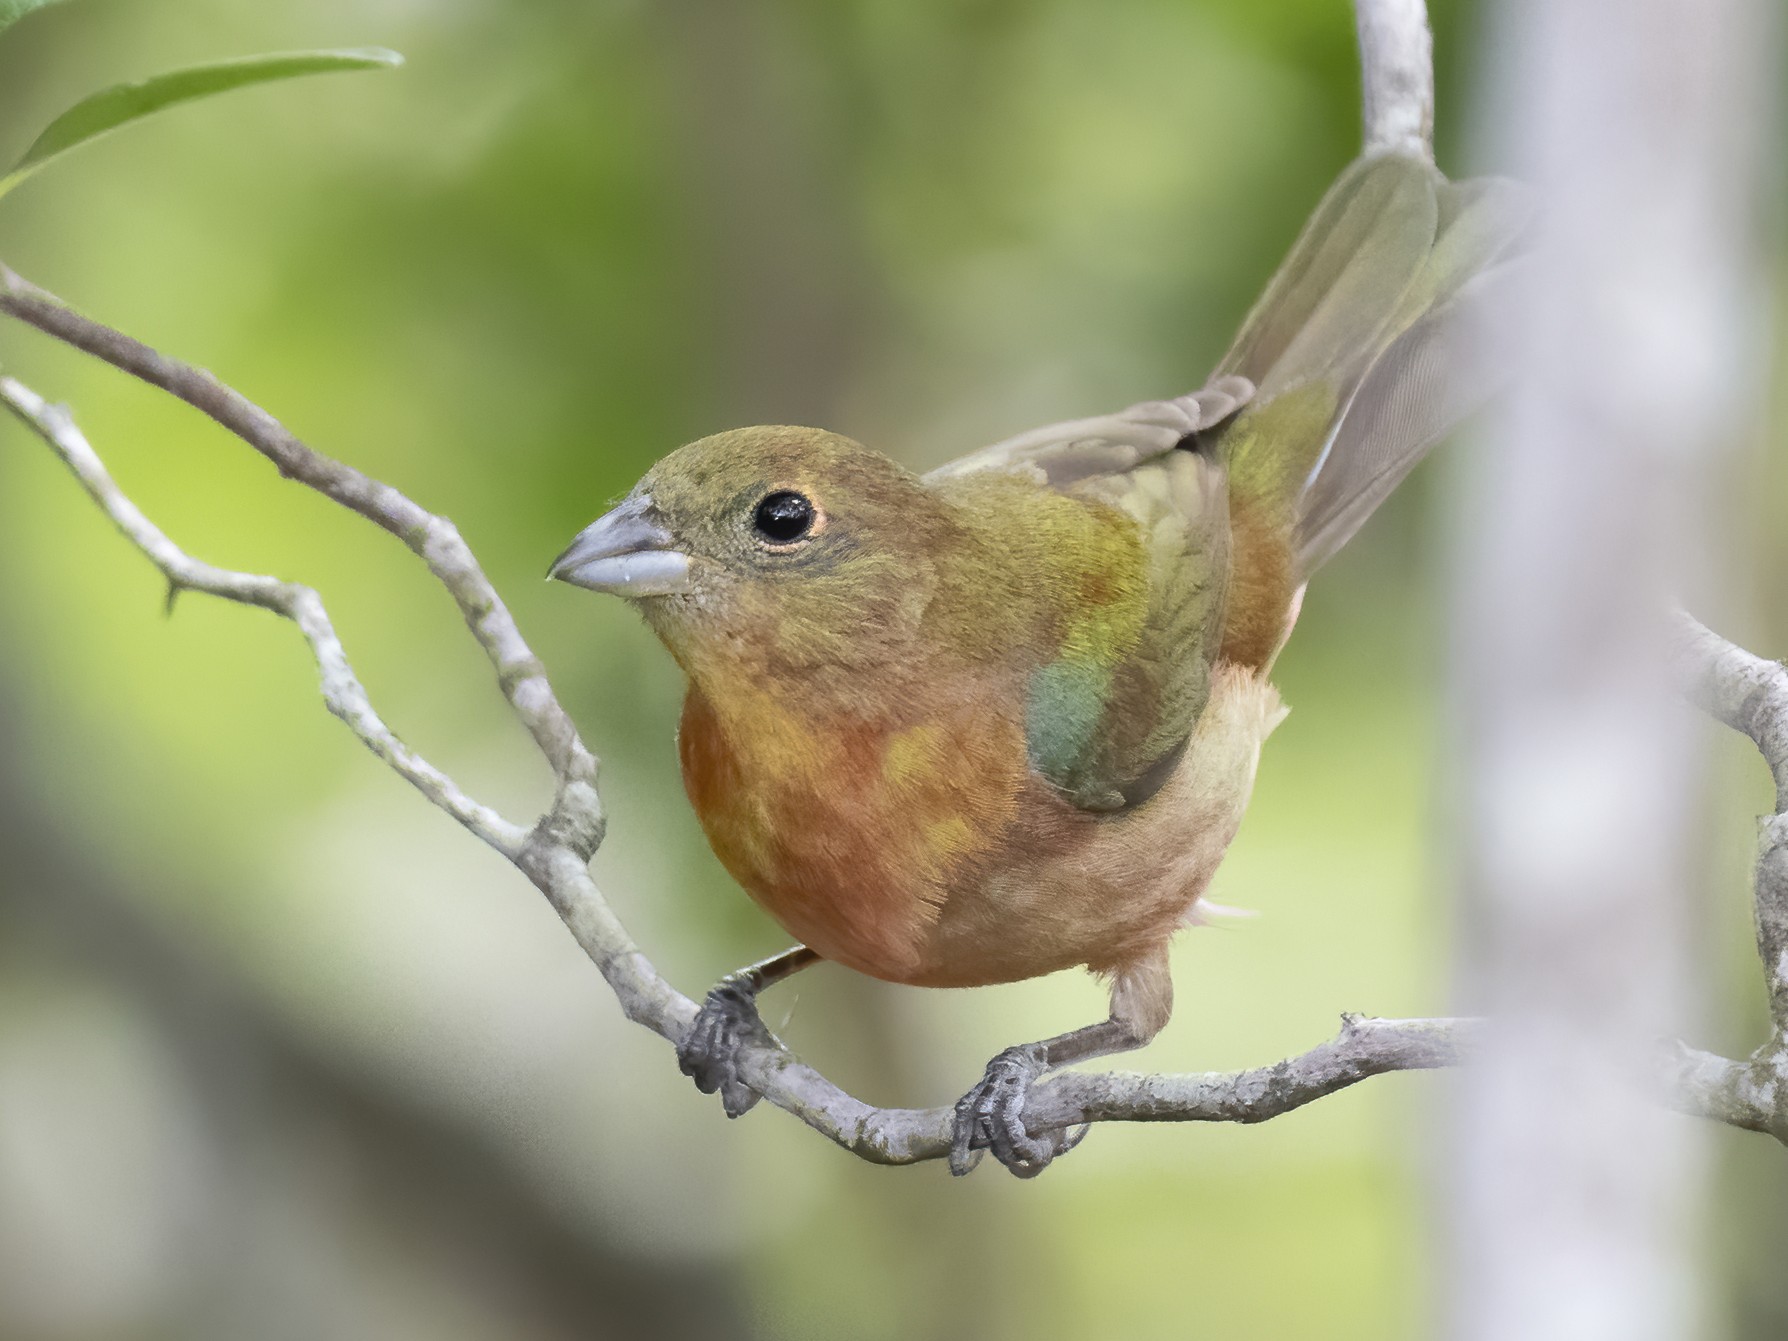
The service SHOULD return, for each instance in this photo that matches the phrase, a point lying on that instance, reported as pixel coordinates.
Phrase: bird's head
(791, 546)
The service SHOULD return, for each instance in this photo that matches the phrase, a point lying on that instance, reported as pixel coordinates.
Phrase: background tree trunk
(1573, 1207)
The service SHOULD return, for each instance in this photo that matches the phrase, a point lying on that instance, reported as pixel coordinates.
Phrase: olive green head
(792, 541)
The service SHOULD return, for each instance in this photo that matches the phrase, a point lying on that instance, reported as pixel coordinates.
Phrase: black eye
(784, 516)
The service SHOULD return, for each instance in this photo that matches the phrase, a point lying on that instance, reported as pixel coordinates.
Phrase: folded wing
(1353, 363)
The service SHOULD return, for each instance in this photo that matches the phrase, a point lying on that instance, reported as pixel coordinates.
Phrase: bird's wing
(1120, 574)
(1111, 704)
(1060, 455)
(1142, 697)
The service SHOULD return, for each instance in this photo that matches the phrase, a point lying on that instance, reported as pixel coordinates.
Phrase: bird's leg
(991, 1115)
(708, 1053)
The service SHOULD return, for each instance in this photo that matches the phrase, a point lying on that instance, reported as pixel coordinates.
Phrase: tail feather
(1327, 306)
(1432, 377)
(1358, 349)
(1434, 374)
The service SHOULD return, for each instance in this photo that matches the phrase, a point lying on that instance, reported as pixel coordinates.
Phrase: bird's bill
(626, 552)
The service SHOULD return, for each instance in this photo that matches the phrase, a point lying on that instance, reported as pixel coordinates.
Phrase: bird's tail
(1358, 354)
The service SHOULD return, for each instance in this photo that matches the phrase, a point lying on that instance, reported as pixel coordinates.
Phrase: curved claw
(709, 1052)
(991, 1116)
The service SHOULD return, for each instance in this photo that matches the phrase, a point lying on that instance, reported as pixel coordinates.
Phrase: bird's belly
(936, 858)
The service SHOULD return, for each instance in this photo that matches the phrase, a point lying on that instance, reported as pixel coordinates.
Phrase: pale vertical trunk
(1573, 1201)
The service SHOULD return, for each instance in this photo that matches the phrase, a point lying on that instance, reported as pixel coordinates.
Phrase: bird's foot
(991, 1116)
(709, 1052)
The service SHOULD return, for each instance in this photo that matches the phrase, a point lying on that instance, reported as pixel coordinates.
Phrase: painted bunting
(1003, 718)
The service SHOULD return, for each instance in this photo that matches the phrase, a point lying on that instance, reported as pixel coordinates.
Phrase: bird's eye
(784, 517)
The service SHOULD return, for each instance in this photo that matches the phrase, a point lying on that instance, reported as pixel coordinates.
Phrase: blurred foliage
(11, 11)
(567, 236)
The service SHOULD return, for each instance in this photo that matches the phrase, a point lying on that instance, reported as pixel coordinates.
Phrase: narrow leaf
(11, 11)
(123, 103)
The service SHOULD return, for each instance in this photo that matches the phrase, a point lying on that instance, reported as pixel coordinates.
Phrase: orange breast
(853, 833)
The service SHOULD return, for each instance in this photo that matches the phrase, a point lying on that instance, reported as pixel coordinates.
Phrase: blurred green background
(283, 1054)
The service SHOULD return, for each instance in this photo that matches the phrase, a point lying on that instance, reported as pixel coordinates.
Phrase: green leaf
(123, 103)
(11, 11)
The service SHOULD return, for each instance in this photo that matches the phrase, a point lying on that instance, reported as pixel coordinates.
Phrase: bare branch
(578, 813)
(345, 696)
(1748, 1094)
(555, 853)
(1396, 76)
(1746, 692)
(1750, 695)
(1364, 1048)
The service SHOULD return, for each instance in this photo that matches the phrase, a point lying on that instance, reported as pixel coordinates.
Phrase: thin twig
(578, 814)
(555, 853)
(345, 696)
(1362, 1049)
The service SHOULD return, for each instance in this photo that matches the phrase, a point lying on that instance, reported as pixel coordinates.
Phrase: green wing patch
(1107, 716)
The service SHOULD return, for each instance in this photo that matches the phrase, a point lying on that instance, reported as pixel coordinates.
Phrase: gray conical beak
(627, 552)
